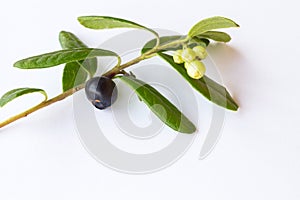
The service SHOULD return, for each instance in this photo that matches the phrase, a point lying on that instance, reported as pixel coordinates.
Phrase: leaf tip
(17, 65)
(186, 126)
(237, 25)
(228, 40)
(81, 20)
(234, 107)
(63, 34)
(191, 130)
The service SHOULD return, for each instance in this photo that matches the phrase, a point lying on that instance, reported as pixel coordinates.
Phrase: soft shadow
(231, 64)
(224, 52)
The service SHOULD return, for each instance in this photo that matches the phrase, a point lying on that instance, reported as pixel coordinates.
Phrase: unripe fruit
(195, 69)
(101, 91)
(188, 55)
(177, 57)
(200, 52)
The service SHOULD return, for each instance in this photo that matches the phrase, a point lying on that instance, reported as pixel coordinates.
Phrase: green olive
(195, 69)
(200, 52)
(177, 57)
(188, 55)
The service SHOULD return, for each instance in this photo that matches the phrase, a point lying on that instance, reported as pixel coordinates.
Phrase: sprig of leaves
(81, 63)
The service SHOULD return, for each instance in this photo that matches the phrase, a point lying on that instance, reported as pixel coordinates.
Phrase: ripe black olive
(101, 91)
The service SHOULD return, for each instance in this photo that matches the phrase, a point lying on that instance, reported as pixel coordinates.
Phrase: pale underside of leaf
(211, 24)
(107, 22)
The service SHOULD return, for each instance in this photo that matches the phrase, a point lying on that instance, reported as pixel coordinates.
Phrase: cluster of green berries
(192, 60)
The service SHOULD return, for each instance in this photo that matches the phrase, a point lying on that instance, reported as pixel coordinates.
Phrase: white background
(41, 157)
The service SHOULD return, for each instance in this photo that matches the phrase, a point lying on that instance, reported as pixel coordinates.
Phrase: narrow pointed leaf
(160, 106)
(216, 36)
(73, 74)
(206, 86)
(211, 24)
(70, 41)
(60, 57)
(11, 95)
(106, 22)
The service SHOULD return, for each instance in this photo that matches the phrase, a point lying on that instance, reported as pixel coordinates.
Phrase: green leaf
(63, 56)
(160, 106)
(207, 87)
(211, 24)
(69, 41)
(216, 36)
(106, 22)
(11, 95)
(162, 41)
(73, 74)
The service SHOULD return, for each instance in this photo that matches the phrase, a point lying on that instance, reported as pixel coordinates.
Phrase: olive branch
(81, 65)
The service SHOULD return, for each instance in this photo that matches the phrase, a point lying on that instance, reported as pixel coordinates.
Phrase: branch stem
(42, 105)
(111, 73)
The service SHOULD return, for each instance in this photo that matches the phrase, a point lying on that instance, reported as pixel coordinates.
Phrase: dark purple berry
(101, 91)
